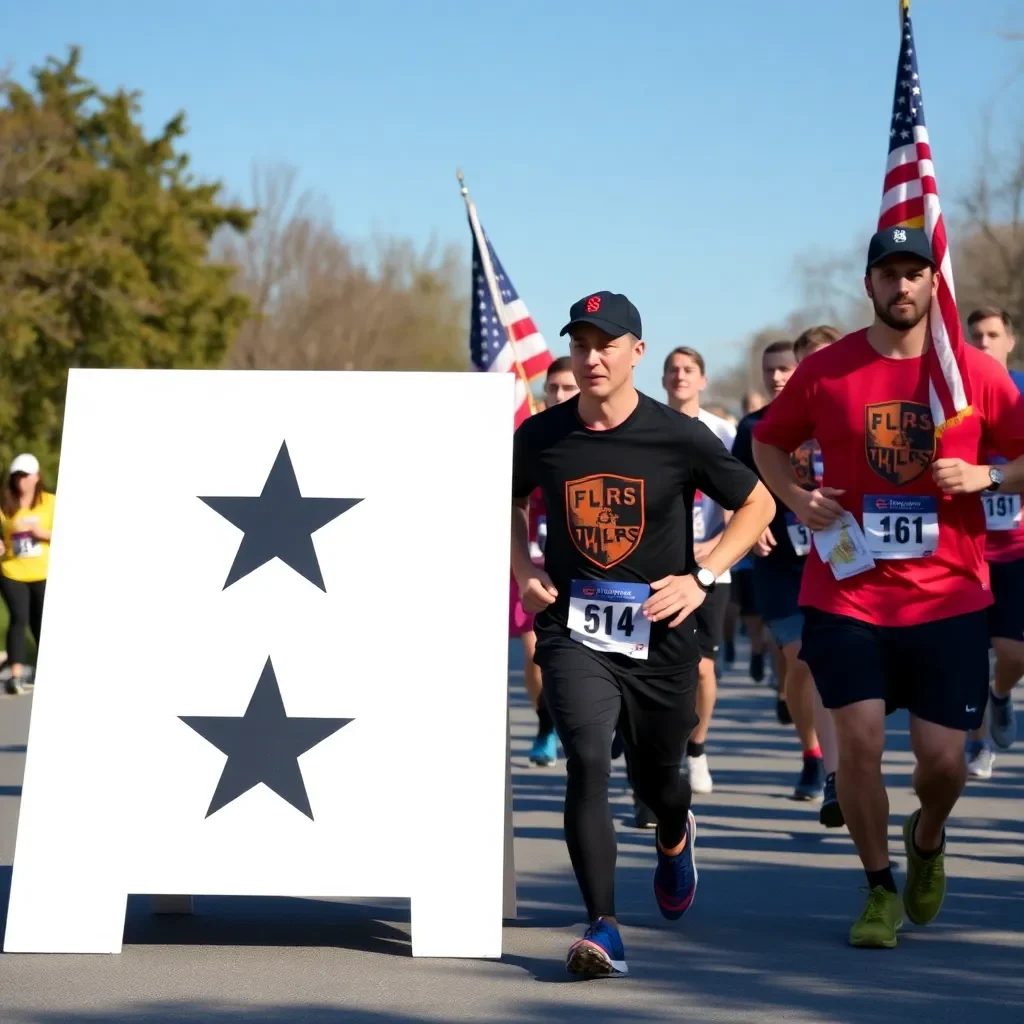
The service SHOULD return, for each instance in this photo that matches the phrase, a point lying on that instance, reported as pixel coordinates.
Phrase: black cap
(899, 242)
(613, 313)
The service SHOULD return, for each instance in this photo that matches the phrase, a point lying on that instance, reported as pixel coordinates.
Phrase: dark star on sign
(280, 523)
(264, 745)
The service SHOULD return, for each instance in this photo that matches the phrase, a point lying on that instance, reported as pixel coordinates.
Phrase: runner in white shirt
(684, 379)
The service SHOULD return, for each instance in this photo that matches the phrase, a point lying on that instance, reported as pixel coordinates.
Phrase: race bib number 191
(606, 616)
(898, 527)
(1002, 511)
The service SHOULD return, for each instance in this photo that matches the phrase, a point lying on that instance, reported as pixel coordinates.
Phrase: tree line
(114, 254)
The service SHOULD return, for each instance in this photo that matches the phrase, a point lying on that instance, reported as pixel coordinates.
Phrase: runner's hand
(672, 595)
(765, 543)
(538, 592)
(954, 476)
(822, 509)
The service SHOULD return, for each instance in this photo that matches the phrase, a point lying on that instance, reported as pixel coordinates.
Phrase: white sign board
(274, 598)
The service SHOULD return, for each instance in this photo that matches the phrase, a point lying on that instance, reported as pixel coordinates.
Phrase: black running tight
(587, 694)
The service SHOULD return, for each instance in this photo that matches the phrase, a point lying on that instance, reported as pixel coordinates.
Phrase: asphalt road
(765, 940)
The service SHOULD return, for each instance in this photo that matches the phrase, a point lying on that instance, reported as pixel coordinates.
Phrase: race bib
(606, 616)
(844, 547)
(799, 535)
(901, 527)
(24, 545)
(699, 526)
(1002, 511)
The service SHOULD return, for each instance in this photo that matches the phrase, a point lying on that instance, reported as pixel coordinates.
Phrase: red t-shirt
(870, 415)
(1005, 541)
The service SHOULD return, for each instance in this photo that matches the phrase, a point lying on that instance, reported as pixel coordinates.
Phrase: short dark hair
(777, 347)
(563, 364)
(822, 334)
(985, 312)
(690, 353)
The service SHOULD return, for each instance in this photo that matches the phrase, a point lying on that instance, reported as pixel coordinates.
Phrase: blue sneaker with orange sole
(599, 954)
(675, 878)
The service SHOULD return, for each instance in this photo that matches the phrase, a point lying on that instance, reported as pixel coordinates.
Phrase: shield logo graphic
(899, 439)
(605, 513)
(803, 464)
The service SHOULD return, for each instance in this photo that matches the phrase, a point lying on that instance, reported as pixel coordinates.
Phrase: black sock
(694, 749)
(544, 723)
(928, 854)
(996, 699)
(883, 878)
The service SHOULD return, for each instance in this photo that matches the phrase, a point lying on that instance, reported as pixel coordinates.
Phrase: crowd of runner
(870, 572)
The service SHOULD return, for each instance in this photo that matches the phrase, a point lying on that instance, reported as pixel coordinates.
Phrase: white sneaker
(699, 775)
(980, 760)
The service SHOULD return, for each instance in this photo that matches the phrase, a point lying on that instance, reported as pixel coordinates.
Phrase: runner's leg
(1008, 673)
(660, 711)
(545, 746)
(710, 622)
(585, 700)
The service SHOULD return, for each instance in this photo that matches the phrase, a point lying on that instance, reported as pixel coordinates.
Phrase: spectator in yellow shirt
(26, 518)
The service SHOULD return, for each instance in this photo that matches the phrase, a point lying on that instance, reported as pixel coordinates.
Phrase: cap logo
(899, 235)
(593, 303)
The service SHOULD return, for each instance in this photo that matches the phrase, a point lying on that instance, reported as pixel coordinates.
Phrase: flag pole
(492, 287)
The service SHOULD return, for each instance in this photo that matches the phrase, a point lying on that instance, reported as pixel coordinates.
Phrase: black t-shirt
(779, 573)
(620, 506)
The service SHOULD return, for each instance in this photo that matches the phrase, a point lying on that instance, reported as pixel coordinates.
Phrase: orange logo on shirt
(803, 464)
(899, 438)
(606, 516)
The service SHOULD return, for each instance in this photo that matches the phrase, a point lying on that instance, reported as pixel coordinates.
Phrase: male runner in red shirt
(896, 588)
(991, 330)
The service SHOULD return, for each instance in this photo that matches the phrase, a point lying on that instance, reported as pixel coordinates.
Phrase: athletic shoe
(544, 750)
(756, 667)
(699, 774)
(980, 759)
(1002, 722)
(811, 784)
(729, 654)
(599, 953)
(642, 816)
(925, 887)
(876, 928)
(782, 712)
(675, 878)
(13, 686)
(831, 814)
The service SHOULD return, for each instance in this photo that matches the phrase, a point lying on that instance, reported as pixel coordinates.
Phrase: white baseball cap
(25, 463)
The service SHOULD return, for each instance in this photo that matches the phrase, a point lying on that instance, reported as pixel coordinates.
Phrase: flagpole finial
(904, 10)
(462, 182)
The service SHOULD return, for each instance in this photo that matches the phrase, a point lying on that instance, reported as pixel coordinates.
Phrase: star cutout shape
(278, 523)
(264, 745)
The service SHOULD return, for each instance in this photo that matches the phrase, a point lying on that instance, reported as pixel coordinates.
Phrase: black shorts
(585, 691)
(710, 619)
(938, 671)
(1006, 616)
(741, 591)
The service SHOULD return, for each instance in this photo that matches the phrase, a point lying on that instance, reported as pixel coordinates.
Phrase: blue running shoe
(675, 878)
(544, 750)
(599, 954)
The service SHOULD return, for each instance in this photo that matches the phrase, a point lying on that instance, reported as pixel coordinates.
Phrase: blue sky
(684, 153)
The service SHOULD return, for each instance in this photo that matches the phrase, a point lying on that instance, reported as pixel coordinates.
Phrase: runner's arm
(522, 563)
(777, 471)
(745, 526)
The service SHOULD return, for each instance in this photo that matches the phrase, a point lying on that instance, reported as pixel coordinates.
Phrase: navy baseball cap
(612, 313)
(899, 242)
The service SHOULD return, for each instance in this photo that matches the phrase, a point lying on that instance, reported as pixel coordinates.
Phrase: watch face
(705, 577)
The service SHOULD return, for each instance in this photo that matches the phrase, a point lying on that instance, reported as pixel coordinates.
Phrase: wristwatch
(996, 476)
(705, 578)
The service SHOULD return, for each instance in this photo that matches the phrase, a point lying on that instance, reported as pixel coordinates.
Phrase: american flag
(910, 199)
(488, 340)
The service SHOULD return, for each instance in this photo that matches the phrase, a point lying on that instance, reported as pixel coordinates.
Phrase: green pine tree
(104, 251)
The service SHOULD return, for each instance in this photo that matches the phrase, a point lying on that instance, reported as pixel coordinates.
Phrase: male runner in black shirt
(615, 634)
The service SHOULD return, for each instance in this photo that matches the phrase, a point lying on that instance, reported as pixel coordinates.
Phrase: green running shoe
(925, 887)
(876, 928)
